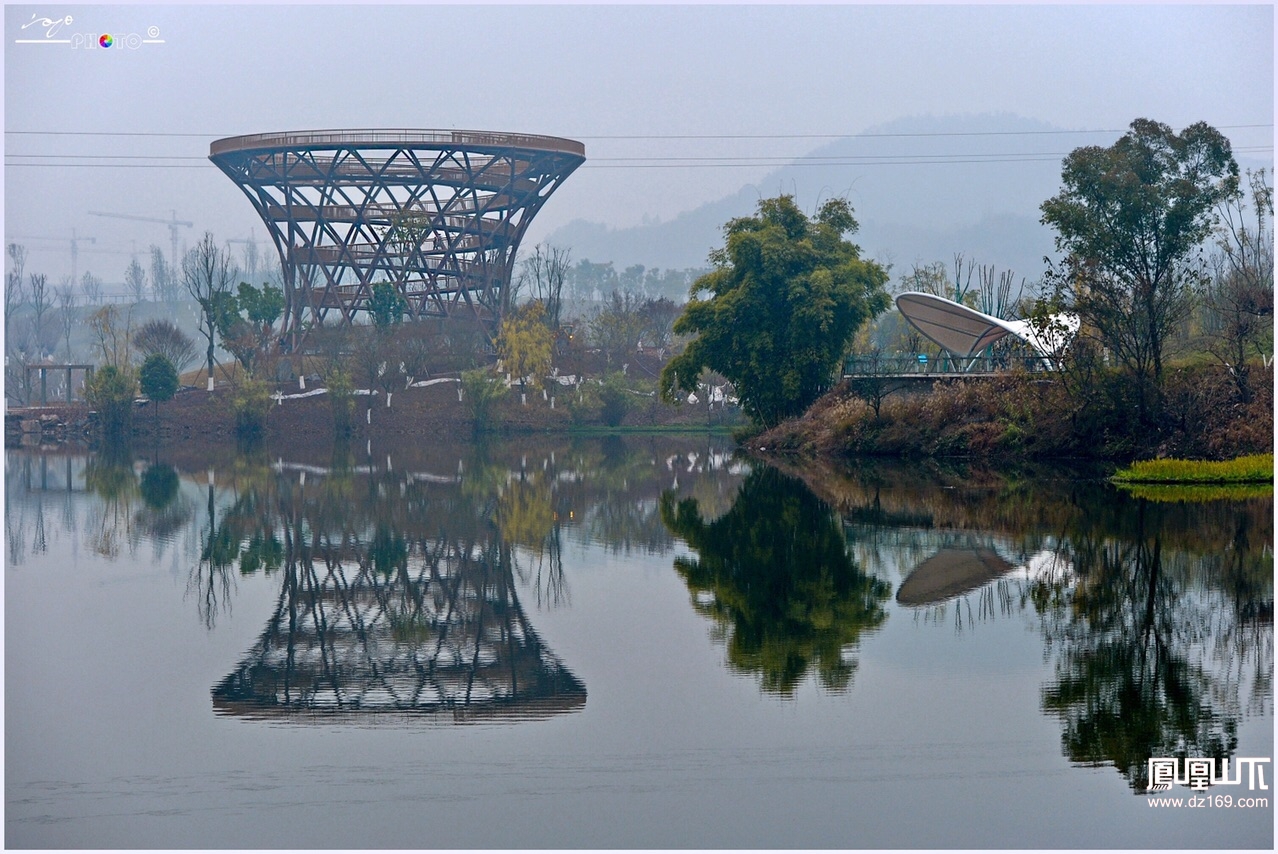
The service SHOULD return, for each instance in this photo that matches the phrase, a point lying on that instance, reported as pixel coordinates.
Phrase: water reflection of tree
(775, 575)
(1158, 617)
(1150, 641)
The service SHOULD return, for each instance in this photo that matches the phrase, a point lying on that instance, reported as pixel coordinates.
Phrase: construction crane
(250, 256)
(172, 223)
(75, 248)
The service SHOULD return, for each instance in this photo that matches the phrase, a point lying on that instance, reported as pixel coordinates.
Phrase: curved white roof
(965, 331)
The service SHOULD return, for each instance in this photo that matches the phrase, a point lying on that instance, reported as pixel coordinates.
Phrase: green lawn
(1257, 468)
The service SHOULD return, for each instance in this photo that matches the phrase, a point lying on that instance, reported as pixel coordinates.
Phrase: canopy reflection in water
(442, 643)
(949, 573)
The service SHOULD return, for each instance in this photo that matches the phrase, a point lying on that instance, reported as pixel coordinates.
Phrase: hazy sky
(754, 82)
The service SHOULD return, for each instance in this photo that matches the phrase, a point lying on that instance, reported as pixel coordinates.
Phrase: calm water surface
(637, 642)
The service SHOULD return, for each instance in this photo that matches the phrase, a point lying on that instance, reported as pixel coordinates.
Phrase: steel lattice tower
(438, 214)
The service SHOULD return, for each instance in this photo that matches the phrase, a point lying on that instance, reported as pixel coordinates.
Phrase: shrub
(480, 391)
(250, 402)
(341, 396)
(614, 400)
(110, 392)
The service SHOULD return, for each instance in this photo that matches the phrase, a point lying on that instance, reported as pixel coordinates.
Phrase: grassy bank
(1038, 416)
(1253, 468)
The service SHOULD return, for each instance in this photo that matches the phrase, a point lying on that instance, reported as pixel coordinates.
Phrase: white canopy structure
(964, 331)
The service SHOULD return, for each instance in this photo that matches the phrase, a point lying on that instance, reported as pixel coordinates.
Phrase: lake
(624, 642)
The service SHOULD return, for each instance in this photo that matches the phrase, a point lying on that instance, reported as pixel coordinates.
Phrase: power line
(676, 162)
(731, 136)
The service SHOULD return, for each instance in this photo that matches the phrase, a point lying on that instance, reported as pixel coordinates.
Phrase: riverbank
(1032, 417)
(421, 413)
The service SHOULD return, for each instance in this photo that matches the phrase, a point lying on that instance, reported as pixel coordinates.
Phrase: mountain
(923, 188)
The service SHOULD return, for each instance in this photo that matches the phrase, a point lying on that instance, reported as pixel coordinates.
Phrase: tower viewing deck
(438, 214)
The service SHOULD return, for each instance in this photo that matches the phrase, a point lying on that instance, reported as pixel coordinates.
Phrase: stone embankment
(45, 425)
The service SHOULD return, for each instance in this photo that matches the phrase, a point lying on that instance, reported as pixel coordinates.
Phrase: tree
(1128, 220)
(110, 392)
(245, 324)
(15, 293)
(113, 335)
(543, 274)
(135, 280)
(387, 306)
(481, 391)
(163, 337)
(614, 399)
(91, 287)
(1239, 296)
(207, 273)
(162, 274)
(66, 310)
(158, 379)
(41, 304)
(785, 298)
(616, 326)
(525, 343)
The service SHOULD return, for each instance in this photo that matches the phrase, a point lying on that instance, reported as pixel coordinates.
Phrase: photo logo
(1198, 774)
(56, 31)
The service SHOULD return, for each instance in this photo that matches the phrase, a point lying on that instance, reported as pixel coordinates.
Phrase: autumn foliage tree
(525, 343)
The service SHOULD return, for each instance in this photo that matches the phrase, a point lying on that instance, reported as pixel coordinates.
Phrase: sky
(646, 88)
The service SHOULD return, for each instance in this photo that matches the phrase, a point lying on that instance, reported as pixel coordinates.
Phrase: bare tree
(67, 299)
(996, 293)
(1239, 295)
(542, 274)
(135, 280)
(15, 293)
(162, 276)
(962, 278)
(113, 335)
(41, 303)
(91, 287)
(164, 337)
(208, 273)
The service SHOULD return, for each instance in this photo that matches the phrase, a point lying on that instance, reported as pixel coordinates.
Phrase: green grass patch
(1197, 493)
(1254, 469)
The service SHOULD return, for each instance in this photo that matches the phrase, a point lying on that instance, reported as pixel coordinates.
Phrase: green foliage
(480, 392)
(525, 343)
(341, 396)
(774, 572)
(261, 307)
(614, 399)
(250, 401)
(159, 486)
(1128, 219)
(387, 305)
(110, 391)
(388, 551)
(785, 299)
(245, 323)
(158, 378)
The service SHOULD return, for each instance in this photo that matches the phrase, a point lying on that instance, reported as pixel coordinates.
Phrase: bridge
(929, 369)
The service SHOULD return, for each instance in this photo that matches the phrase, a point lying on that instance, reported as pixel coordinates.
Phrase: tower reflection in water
(397, 602)
(440, 635)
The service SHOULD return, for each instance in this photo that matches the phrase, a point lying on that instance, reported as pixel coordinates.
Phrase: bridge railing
(896, 365)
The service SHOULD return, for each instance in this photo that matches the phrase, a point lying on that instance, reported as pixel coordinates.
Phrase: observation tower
(436, 213)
